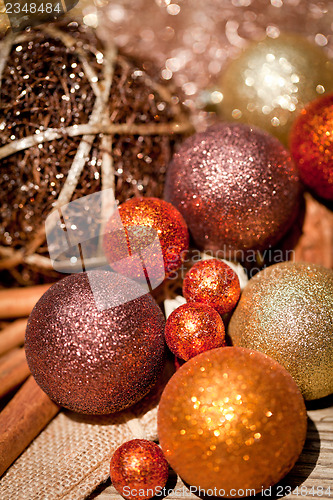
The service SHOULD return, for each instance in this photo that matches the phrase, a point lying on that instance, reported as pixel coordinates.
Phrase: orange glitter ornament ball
(192, 329)
(151, 230)
(214, 283)
(138, 469)
(233, 421)
(311, 144)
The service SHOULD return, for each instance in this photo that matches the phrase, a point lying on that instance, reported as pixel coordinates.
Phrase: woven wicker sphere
(114, 125)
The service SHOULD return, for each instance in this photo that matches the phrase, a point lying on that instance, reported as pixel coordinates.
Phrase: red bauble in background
(311, 144)
(138, 469)
(192, 329)
(214, 283)
(151, 227)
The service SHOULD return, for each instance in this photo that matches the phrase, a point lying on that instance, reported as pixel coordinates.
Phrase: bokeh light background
(192, 40)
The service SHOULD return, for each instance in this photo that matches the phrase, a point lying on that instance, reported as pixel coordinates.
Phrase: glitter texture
(92, 86)
(235, 186)
(214, 283)
(94, 361)
(311, 145)
(271, 81)
(192, 329)
(148, 213)
(139, 467)
(286, 311)
(231, 418)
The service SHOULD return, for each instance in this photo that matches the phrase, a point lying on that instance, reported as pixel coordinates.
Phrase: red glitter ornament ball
(236, 188)
(145, 221)
(192, 329)
(214, 283)
(311, 144)
(139, 470)
(91, 360)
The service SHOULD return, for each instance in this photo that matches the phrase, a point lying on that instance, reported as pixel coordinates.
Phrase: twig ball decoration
(139, 470)
(286, 311)
(76, 116)
(236, 188)
(231, 419)
(95, 361)
(147, 213)
(311, 144)
(192, 329)
(272, 80)
(214, 283)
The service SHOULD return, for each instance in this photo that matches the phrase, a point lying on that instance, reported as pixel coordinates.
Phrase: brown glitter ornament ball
(311, 144)
(214, 283)
(139, 469)
(272, 80)
(76, 116)
(235, 186)
(165, 220)
(286, 311)
(231, 421)
(90, 360)
(192, 329)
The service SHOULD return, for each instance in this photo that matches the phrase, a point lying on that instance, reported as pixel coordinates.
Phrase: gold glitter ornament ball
(286, 311)
(233, 421)
(272, 81)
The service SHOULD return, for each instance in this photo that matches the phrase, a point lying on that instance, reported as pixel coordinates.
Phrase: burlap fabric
(71, 457)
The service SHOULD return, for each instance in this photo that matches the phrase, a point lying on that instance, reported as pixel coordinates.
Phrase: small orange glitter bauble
(311, 144)
(214, 283)
(138, 469)
(192, 329)
(144, 219)
(232, 419)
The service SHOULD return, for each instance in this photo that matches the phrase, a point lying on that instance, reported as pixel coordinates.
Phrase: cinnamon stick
(12, 335)
(13, 371)
(22, 420)
(19, 302)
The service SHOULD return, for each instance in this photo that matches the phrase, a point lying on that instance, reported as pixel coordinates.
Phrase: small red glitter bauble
(214, 283)
(236, 188)
(311, 144)
(139, 470)
(192, 329)
(143, 219)
(90, 360)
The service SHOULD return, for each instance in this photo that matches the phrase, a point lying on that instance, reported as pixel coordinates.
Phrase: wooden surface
(313, 471)
(25, 416)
